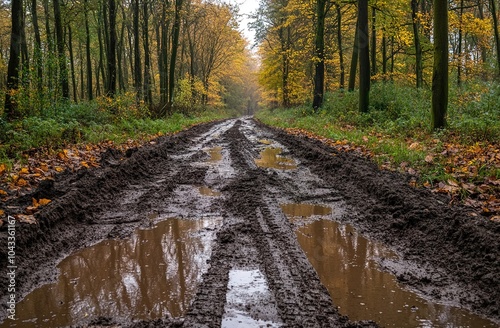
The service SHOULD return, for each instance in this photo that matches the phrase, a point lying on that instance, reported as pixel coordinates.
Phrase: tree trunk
(459, 50)
(497, 37)
(440, 70)
(384, 56)
(148, 96)
(354, 60)
(50, 44)
(416, 40)
(72, 63)
(137, 51)
(364, 57)
(90, 95)
(37, 50)
(14, 60)
(111, 85)
(63, 70)
(82, 74)
(173, 57)
(374, 43)
(341, 50)
(319, 62)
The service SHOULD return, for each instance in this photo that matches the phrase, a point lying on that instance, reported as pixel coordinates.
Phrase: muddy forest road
(214, 227)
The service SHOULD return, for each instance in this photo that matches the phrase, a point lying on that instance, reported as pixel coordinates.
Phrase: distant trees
(101, 48)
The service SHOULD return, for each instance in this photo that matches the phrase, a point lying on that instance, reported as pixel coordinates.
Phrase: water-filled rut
(235, 224)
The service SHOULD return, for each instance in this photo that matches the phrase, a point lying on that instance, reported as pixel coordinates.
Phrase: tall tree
(37, 49)
(364, 57)
(148, 96)
(440, 68)
(496, 33)
(137, 49)
(416, 41)
(373, 48)
(87, 52)
(341, 50)
(319, 60)
(61, 53)
(354, 59)
(111, 85)
(175, 47)
(14, 59)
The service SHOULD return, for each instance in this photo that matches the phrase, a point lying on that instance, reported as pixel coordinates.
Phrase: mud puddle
(249, 302)
(215, 154)
(305, 210)
(344, 261)
(206, 191)
(271, 158)
(152, 274)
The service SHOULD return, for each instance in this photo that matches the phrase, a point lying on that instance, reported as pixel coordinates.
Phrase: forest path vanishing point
(237, 224)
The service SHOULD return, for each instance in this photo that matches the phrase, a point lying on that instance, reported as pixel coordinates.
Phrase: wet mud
(215, 227)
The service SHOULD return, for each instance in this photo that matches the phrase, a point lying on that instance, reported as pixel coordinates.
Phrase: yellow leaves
(3, 193)
(3, 169)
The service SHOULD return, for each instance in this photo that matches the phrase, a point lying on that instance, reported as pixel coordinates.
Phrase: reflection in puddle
(305, 210)
(215, 154)
(270, 158)
(205, 191)
(151, 275)
(249, 302)
(342, 259)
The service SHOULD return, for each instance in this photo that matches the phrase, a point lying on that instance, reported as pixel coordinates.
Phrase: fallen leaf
(496, 218)
(24, 171)
(58, 169)
(429, 158)
(43, 201)
(21, 182)
(2, 212)
(34, 202)
(365, 138)
(414, 145)
(3, 193)
(2, 169)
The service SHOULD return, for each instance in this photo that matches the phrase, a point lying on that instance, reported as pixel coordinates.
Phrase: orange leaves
(36, 205)
(3, 168)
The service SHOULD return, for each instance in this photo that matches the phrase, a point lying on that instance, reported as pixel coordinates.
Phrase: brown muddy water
(344, 261)
(205, 191)
(271, 158)
(215, 154)
(152, 274)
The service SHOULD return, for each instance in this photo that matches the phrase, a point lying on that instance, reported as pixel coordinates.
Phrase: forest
(402, 80)
(228, 163)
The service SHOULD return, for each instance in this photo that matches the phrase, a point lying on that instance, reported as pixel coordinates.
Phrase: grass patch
(396, 130)
(90, 122)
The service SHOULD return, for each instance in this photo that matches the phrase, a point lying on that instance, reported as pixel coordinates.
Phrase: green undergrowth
(89, 123)
(399, 117)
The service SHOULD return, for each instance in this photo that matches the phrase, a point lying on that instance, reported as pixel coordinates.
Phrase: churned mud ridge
(450, 255)
(78, 215)
(257, 234)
